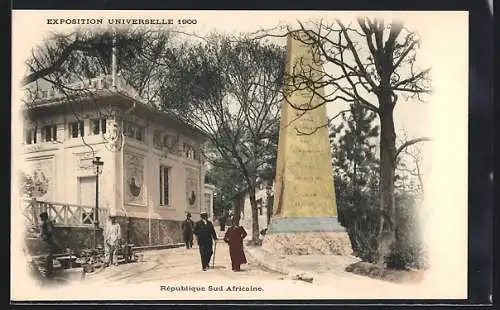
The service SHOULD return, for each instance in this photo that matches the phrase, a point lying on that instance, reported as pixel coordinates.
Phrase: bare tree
(369, 63)
(233, 89)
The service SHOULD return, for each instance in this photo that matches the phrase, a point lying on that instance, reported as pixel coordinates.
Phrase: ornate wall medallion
(192, 188)
(135, 188)
(134, 177)
(192, 198)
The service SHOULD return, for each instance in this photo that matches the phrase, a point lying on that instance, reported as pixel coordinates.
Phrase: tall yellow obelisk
(305, 211)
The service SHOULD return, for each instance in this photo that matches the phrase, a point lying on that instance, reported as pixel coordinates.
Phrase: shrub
(409, 249)
(360, 215)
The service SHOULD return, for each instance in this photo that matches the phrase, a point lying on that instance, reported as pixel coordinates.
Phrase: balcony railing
(65, 215)
(48, 91)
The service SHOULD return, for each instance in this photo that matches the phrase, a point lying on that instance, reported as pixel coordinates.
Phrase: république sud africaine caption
(210, 288)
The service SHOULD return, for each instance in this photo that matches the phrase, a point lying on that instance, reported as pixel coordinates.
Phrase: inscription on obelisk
(304, 176)
(304, 190)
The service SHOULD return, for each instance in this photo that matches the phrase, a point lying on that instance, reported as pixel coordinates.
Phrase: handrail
(56, 203)
(62, 214)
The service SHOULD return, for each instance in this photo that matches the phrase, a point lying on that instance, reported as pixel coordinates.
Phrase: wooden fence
(65, 215)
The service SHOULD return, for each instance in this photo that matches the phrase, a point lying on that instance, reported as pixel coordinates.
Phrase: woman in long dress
(234, 238)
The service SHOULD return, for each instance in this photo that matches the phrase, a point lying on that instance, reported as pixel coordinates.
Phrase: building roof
(46, 96)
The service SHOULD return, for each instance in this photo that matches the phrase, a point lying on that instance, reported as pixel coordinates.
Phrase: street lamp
(97, 163)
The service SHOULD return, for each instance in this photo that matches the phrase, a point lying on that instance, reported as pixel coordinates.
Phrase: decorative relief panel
(166, 143)
(84, 161)
(33, 148)
(42, 174)
(113, 136)
(192, 189)
(134, 178)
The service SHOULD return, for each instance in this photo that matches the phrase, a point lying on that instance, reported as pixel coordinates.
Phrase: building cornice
(100, 88)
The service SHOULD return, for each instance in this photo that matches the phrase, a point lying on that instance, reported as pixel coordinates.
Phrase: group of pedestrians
(112, 238)
(206, 237)
(204, 231)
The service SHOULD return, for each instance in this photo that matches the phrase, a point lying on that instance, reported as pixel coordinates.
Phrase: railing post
(50, 210)
(65, 214)
(80, 214)
(34, 212)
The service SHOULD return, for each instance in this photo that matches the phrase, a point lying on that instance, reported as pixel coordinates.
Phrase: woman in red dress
(234, 238)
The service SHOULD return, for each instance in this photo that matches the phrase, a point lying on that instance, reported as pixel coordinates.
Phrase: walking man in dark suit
(205, 235)
(187, 231)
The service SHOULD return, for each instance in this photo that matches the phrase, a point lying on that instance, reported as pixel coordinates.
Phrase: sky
(410, 116)
(443, 117)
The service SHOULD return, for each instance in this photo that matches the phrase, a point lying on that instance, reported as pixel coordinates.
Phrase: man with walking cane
(205, 235)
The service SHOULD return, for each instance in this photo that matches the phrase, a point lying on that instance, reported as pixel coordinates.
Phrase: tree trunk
(386, 229)
(352, 231)
(255, 216)
(270, 201)
(238, 207)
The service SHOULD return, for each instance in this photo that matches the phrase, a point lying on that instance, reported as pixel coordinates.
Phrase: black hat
(188, 214)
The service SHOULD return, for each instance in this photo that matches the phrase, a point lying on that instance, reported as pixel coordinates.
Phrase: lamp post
(97, 163)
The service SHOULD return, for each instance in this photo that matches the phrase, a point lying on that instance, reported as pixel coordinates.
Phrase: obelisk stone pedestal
(290, 241)
(305, 218)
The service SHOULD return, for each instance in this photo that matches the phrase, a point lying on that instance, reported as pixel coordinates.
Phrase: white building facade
(152, 173)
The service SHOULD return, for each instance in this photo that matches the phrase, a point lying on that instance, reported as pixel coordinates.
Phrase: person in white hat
(112, 237)
(205, 235)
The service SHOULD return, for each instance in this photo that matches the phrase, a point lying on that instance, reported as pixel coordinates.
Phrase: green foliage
(232, 86)
(357, 188)
(355, 176)
(27, 185)
(228, 183)
(354, 144)
(354, 163)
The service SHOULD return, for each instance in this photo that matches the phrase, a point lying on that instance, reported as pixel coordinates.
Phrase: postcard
(239, 155)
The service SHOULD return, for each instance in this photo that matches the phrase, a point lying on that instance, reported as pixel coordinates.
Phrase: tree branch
(413, 78)
(56, 65)
(301, 133)
(403, 55)
(356, 57)
(409, 143)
